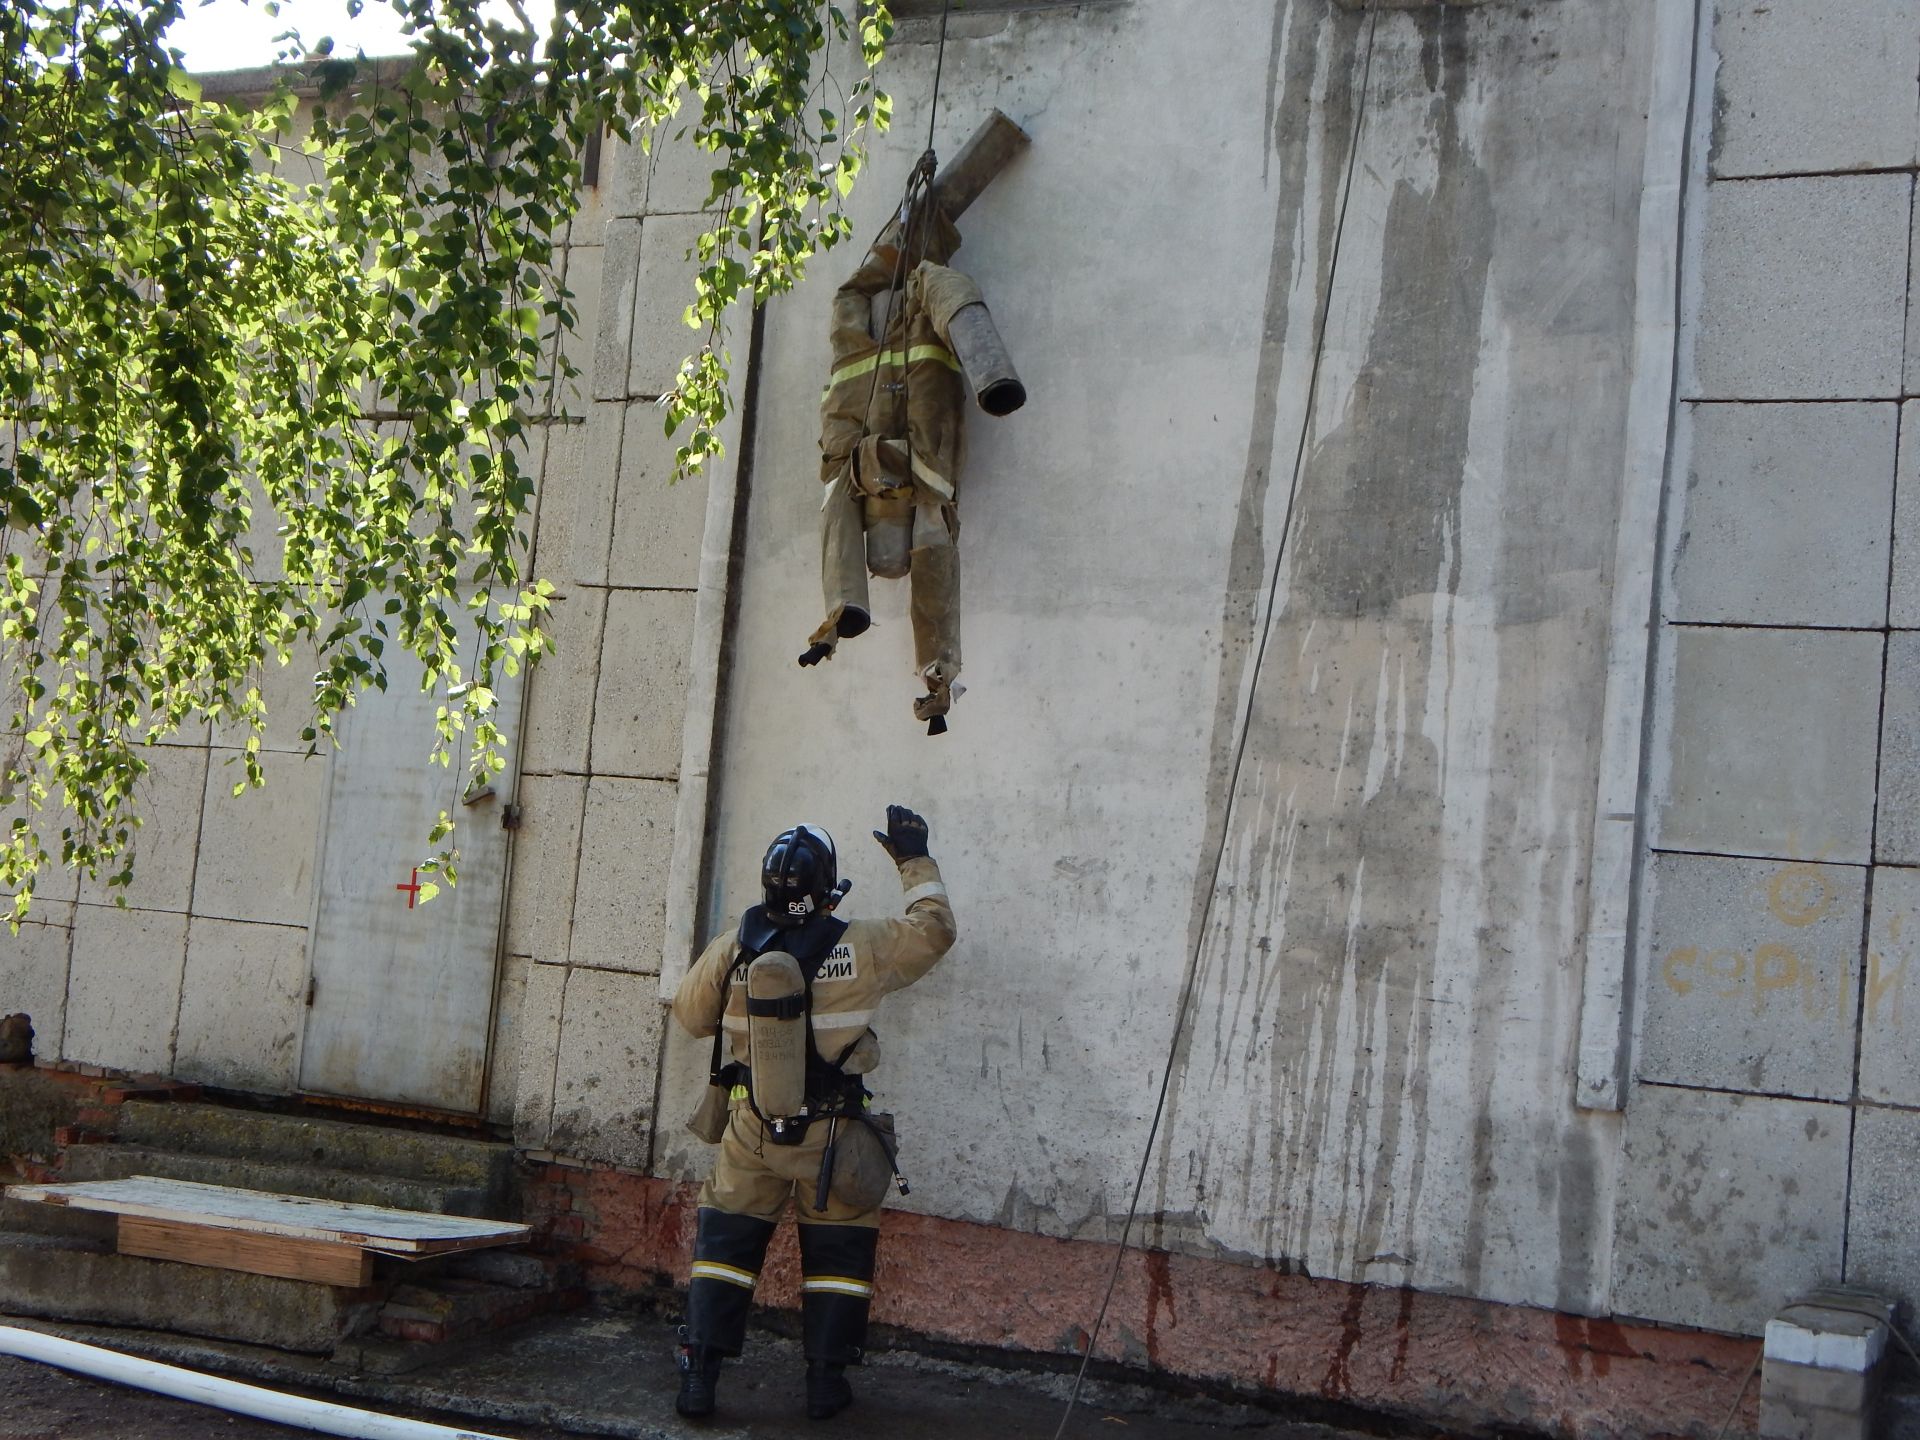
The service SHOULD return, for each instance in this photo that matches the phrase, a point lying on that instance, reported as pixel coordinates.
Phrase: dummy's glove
(905, 837)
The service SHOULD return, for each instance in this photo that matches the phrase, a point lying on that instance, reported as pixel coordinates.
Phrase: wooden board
(324, 1262)
(222, 1207)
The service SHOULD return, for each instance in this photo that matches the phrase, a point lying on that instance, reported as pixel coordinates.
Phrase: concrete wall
(1377, 1080)
(1772, 1115)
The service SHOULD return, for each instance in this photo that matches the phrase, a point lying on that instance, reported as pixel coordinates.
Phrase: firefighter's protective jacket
(872, 959)
(891, 445)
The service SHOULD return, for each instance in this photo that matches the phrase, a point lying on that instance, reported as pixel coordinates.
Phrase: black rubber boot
(836, 1289)
(699, 1377)
(828, 1392)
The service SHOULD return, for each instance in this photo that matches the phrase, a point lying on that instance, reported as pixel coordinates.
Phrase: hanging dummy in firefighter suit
(765, 1160)
(890, 448)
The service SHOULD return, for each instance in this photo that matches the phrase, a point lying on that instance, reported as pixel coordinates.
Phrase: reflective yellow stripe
(853, 369)
(837, 1284)
(739, 1092)
(714, 1270)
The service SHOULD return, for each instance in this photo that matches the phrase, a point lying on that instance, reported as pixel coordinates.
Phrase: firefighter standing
(766, 1159)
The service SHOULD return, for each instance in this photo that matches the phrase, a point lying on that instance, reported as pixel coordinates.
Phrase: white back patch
(837, 966)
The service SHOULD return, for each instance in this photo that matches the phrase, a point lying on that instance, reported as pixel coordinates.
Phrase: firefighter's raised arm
(910, 945)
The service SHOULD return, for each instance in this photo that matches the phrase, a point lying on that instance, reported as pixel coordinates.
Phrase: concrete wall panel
(539, 1054)
(503, 1055)
(1889, 1020)
(257, 848)
(1797, 280)
(1771, 743)
(546, 857)
(1903, 606)
(560, 689)
(619, 907)
(660, 521)
(1883, 1207)
(584, 264)
(123, 993)
(33, 973)
(664, 290)
(242, 1006)
(613, 334)
(1729, 1206)
(639, 710)
(1755, 974)
(576, 498)
(1785, 515)
(1806, 88)
(609, 1055)
(1897, 823)
(165, 845)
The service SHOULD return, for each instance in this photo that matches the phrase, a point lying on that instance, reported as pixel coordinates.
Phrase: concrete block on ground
(1889, 1024)
(1798, 283)
(639, 709)
(242, 1005)
(257, 849)
(1822, 1366)
(169, 801)
(33, 974)
(539, 1055)
(546, 857)
(620, 904)
(560, 689)
(503, 1055)
(1729, 1205)
(613, 326)
(1803, 89)
(1884, 1203)
(659, 522)
(576, 498)
(1754, 975)
(124, 987)
(1903, 606)
(664, 290)
(1771, 742)
(609, 1056)
(1897, 841)
(1785, 518)
(64, 1280)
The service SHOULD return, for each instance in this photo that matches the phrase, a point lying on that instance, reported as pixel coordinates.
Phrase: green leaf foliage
(269, 368)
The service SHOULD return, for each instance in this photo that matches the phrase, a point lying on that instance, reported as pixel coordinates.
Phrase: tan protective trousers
(753, 1176)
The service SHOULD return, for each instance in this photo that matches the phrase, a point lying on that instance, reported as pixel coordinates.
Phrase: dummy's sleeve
(703, 990)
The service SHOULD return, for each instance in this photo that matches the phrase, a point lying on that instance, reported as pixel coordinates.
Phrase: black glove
(905, 837)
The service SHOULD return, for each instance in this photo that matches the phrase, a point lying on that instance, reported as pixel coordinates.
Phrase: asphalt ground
(607, 1373)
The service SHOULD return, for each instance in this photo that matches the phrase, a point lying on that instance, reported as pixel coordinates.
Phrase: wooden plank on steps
(322, 1262)
(372, 1227)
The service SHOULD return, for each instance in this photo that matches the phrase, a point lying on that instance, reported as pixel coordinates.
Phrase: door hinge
(313, 989)
(510, 817)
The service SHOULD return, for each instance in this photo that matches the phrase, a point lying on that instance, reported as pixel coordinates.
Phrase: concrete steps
(268, 1138)
(61, 1263)
(117, 1162)
(64, 1278)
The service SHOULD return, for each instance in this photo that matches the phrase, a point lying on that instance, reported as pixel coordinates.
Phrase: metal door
(401, 995)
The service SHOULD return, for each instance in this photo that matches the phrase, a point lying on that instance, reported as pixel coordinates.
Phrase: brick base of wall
(1441, 1360)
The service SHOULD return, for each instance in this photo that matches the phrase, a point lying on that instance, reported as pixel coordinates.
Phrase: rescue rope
(1246, 719)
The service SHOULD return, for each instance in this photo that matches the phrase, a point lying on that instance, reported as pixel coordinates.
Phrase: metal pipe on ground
(254, 1401)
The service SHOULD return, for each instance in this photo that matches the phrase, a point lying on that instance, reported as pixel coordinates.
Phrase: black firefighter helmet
(799, 875)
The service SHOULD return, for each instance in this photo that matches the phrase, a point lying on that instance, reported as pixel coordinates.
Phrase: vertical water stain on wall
(1398, 895)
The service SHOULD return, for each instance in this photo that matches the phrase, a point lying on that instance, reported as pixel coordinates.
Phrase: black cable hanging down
(1240, 749)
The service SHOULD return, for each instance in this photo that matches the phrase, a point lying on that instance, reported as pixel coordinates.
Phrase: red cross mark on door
(412, 887)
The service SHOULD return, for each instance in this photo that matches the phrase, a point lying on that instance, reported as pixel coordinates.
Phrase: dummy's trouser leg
(728, 1251)
(935, 612)
(836, 1291)
(843, 572)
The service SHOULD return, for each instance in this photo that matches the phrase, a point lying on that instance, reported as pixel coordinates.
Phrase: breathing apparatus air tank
(777, 1035)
